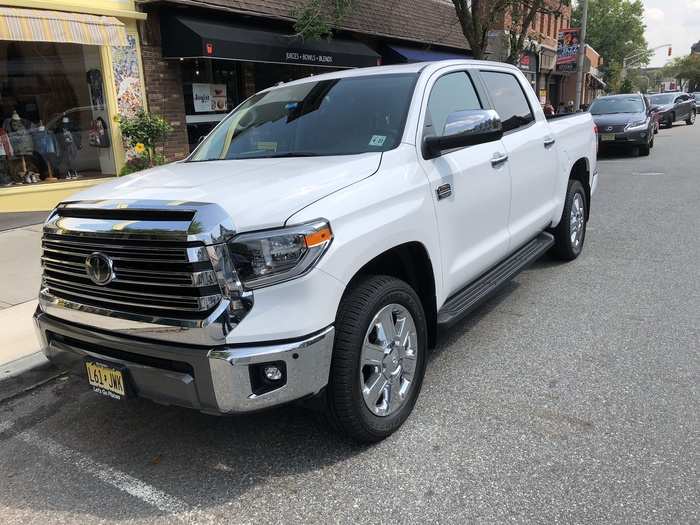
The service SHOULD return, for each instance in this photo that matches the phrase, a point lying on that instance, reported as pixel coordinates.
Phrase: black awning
(184, 36)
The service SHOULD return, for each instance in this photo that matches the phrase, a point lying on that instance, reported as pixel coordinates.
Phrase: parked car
(696, 97)
(673, 107)
(654, 115)
(313, 244)
(624, 120)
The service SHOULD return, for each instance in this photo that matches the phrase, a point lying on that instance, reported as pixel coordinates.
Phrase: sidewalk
(20, 268)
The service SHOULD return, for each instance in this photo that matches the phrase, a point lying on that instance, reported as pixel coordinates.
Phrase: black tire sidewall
(373, 293)
(564, 247)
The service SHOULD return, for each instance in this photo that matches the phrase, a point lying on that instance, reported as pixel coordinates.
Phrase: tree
(478, 17)
(316, 19)
(615, 30)
(686, 70)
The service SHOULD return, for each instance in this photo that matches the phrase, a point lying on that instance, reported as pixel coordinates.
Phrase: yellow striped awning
(38, 25)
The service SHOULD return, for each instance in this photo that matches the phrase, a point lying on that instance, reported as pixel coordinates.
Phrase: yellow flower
(139, 148)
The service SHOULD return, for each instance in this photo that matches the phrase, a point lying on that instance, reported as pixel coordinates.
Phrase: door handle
(498, 159)
(549, 142)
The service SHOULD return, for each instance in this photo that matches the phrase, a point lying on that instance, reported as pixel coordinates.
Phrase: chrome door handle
(498, 159)
(549, 142)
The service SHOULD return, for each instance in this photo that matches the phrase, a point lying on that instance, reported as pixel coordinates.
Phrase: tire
(573, 218)
(644, 150)
(651, 142)
(670, 120)
(348, 395)
(656, 128)
(691, 118)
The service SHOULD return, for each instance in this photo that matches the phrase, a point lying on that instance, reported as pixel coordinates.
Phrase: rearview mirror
(464, 128)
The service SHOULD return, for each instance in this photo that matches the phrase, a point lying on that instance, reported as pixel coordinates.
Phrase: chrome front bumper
(213, 380)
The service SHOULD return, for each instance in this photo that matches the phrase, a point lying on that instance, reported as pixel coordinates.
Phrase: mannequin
(6, 154)
(46, 148)
(23, 147)
(68, 142)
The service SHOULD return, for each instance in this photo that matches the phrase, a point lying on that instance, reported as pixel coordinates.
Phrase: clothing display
(44, 141)
(99, 137)
(67, 152)
(20, 137)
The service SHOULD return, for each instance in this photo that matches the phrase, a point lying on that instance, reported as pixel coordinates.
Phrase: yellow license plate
(105, 379)
(607, 137)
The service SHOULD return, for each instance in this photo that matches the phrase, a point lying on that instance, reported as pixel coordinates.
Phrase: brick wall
(164, 88)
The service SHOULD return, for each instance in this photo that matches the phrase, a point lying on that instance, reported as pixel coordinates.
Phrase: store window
(54, 124)
(211, 90)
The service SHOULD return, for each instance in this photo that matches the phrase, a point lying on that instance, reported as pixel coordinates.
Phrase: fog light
(273, 373)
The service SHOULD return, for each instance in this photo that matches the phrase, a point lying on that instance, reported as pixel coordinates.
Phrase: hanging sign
(567, 49)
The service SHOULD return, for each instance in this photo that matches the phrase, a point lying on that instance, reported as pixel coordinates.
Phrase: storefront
(224, 61)
(64, 78)
(528, 65)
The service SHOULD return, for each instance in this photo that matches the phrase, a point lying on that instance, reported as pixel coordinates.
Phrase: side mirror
(464, 128)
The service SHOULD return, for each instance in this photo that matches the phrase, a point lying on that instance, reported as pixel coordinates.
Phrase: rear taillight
(595, 129)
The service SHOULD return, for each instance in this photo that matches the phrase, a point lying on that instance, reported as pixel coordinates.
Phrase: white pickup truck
(315, 242)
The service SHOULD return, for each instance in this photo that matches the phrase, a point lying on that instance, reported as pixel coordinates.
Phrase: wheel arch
(411, 263)
(580, 171)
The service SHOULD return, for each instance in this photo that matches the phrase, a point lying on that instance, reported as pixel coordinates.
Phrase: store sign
(567, 49)
(304, 57)
(528, 62)
(209, 97)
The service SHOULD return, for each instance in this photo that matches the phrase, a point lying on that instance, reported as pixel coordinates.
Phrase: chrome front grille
(151, 277)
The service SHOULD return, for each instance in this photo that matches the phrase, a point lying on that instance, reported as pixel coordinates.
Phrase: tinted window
(661, 100)
(450, 93)
(509, 98)
(606, 106)
(327, 117)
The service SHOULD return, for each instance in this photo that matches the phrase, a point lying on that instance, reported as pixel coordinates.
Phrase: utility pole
(581, 55)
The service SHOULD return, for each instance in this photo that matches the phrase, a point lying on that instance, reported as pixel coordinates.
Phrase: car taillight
(595, 129)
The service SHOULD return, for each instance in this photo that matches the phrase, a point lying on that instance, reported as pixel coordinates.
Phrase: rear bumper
(214, 380)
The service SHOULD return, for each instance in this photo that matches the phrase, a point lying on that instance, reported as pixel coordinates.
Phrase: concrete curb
(25, 374)
(21, 365)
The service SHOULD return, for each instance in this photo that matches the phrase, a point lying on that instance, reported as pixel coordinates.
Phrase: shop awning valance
(186, 36)
(38, 25)
(413, 54)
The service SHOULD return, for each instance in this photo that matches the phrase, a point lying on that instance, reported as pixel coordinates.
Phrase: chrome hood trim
(190, 221)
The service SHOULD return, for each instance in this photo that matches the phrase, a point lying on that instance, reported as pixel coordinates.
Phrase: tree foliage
(315, 19)
(615, 30)
(686, 70)
(478, 17)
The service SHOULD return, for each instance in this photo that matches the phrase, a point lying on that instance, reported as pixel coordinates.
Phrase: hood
(617, 119)
(256, 193)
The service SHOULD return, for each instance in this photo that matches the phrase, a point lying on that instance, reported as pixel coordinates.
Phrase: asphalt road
(572, 397)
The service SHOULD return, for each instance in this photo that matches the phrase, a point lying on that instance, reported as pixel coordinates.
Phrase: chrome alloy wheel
(388, 360)
(576, 220)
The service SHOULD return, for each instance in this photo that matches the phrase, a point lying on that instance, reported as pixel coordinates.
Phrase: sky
(675, 22)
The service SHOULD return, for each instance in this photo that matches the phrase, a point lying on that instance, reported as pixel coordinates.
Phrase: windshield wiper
(286, 154)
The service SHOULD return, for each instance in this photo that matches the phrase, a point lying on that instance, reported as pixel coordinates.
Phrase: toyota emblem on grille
(99, 268)
(609, 128)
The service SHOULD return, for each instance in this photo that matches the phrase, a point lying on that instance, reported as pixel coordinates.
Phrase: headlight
(272, 256)
(635, 125)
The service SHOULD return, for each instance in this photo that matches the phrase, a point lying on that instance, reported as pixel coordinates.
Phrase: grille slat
(150, 276)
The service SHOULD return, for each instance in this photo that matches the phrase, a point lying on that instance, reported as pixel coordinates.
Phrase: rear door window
(509, 99)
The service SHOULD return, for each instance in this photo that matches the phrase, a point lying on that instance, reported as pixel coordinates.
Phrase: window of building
(54, 122)
(509, 99)
(450, 93)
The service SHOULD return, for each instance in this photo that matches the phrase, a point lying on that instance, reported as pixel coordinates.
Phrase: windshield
(604, 106)
(329, 117)
(662, 100)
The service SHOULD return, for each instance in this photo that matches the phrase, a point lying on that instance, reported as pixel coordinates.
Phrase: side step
(464, 301)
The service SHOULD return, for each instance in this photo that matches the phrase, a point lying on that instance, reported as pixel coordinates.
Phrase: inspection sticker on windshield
(377, 140)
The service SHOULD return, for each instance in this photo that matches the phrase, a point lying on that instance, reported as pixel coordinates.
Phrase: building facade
(201, 59)
(67, 70)
(538, 59)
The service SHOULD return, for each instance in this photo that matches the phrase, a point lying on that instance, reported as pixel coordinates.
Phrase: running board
(464, 301)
